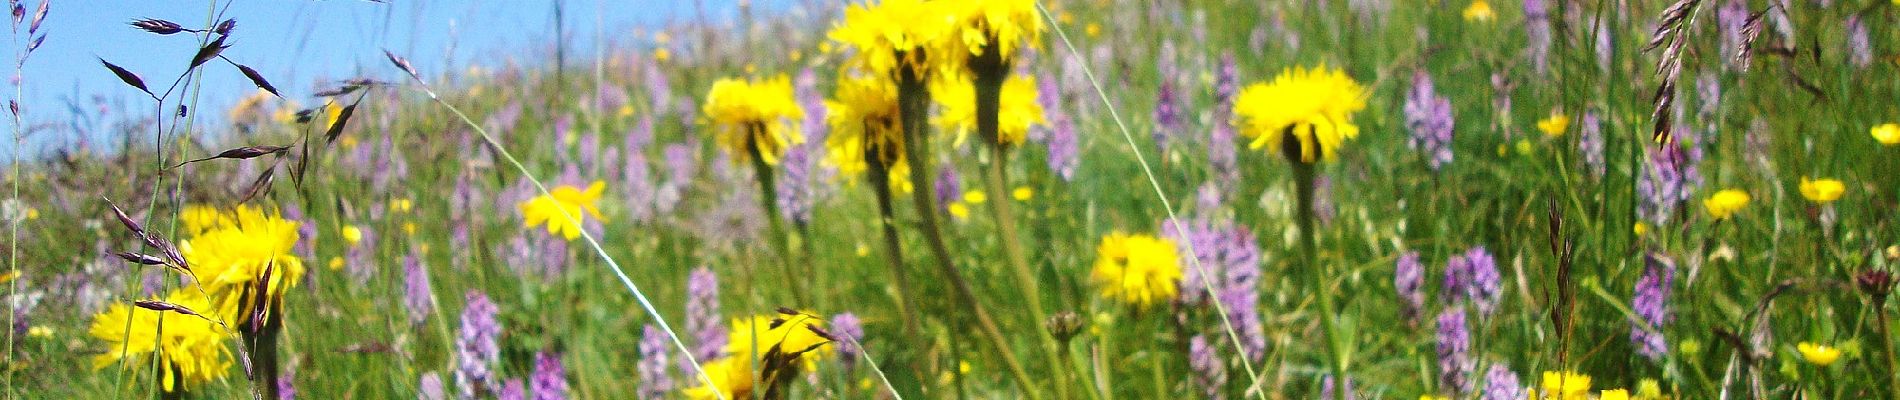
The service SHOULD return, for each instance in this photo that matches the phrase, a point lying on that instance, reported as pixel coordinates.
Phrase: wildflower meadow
(978, 199)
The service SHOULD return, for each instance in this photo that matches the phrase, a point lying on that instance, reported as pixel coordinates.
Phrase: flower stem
(989, 91)
(768, 198)
(893, 252)
(912, 100)
(1886, 341)
(1303, 187)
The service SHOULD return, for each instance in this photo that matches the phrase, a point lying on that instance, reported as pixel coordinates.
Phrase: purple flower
(636, 174)
(1228, 253)
(1501, 384)
(1454, 351)
(513, 390)
(1064, 152)
(1537, 28)
(477, 348)
(681, 168)
(417, 296)
(796, 192)
(360, 258)
(1326, 388)
(1408, 277)
(1730, 18)
(1222, 154)
(1590, 143)
(430, 388)
(849, 331)
(1473, 276)
(1669, 180)
(1428, 115)
(659, 88)
(702, 317)
(1651, 304)
(655, 382)
(1858, 51)
(948, 187)
(550, 377)
(287, 386)
(1210, 371)
(1167, 114)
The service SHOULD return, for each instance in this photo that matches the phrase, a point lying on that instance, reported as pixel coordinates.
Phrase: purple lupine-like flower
(550, 377)
(360, 260)
(1167, 114)
(1590, 143)
(1502, 384)
(1049, 96)
(1537, 29)
(1210, 371)
(702, 317)
(417, 295)
(306, 231)
(1222, 152)
(948, 187)
(655, 382)
(1428, 115)
(635, 173)
(588, 149)
(1408, 277)
(287, 386)
(430, 388)
(659, 88)
(1731, 18)
(1226, 83)
(1651, 304)
(1229, 254)
(1486, 287)
(1859, 53)
(681, 167)
(849, 331)
(1064, 152)
(513, 390)
(795, 190)
(477, 347)
(504, 118)
(1326, 388)
(1669, 180)
(1454, 351)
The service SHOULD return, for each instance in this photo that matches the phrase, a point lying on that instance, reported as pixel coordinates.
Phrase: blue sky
(296, 42)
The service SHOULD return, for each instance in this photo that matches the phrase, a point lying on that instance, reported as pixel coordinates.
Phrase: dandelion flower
(863, 115)
(1479, 11)
(1003, 26)
(894, 35)
(1818, 354)
(1017, 110)
(1314, 106)
(561, 203)
(1725, 203)
(1137, 269)
(1822, 191)
(1566, 385)
(245, 245)
(753, 118)
(191, 349)
(1555, 125)
(1887, 134)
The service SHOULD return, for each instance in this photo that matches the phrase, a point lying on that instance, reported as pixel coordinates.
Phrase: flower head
(1314, 106)
(1566, 385)
(754, 118)
(191, 347)
(1479, 11)
(1725, 203)
(982, 26)
(895, 36)
(242, 247)
(1822, 191)
(1555, 125)
(1017, 109)
(731, 377)
(864, 123)
(1614, 394)
(563, 209)
(1887, 134)
(1137, 269)
(785, 334)
(1818, 354)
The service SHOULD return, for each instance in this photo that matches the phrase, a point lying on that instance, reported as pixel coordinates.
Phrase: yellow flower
(1137, 269)
(1314, 106)
(731, 377)
(1614, 394)
(1524, 147)
(1648, 389)
(352, 234)
(9, 276)
(864, 120)
(401, 205)
(1022, 193)
(336, 263)
(975, 197)
(1725, 203)
(1818, 354)
(199, 218)
(231, 256)
(1431, 397)
(759, 336)
(754, 118)
(864, 250)
(1006, 26)
(894, 34)
(191, 349)
(1478, 11)
(286, 113)
(1093, 30)
(662, 54)
(959, 210)
(39, 331)
(1017, 108)
(1887, 134)
(563, 209)
(250, 109)
(1555, 125)
(1640, 228)
(1822, 191)
(1566, 385)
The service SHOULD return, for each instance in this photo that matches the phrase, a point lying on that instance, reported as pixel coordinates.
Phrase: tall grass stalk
(1220, 308)
(592, 242)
